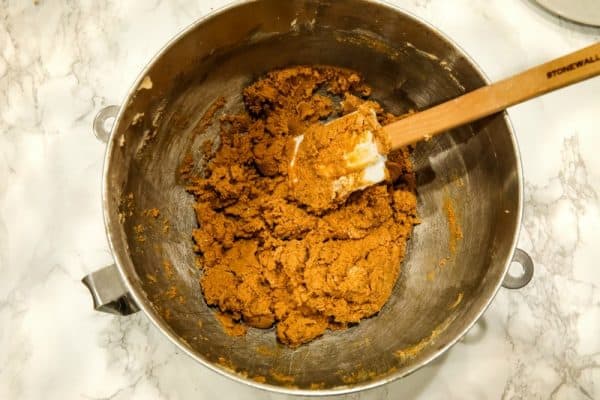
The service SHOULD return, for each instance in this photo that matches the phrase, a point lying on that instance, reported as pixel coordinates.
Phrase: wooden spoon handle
(563, 71)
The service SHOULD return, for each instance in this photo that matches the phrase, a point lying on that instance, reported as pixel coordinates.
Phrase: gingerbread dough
(267, 258)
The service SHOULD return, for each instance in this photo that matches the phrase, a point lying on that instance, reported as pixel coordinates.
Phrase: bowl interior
(474, 170)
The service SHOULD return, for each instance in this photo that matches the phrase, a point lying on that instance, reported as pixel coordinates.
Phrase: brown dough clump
(266, 258)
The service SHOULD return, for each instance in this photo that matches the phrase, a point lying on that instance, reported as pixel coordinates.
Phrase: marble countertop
(60, 62)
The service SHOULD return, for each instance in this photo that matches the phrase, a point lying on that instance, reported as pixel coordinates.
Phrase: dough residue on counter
(267, 259)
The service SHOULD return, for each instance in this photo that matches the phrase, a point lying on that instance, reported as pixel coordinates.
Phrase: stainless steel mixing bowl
(409, 64)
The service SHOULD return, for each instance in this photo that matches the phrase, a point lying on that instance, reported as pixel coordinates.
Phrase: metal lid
(581, 11)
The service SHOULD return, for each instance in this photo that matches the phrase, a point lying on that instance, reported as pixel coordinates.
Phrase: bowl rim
(120, 258)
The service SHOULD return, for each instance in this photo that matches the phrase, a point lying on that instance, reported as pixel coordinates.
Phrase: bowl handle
(517, 282)
(109, 293)
(99, 126)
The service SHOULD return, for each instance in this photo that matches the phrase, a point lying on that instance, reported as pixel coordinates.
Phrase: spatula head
(331, 161)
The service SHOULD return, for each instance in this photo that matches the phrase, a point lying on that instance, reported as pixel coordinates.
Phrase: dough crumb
(230, 326)
(152, 212)
(168, 269)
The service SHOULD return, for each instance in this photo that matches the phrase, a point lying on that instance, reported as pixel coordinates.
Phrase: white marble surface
(61, 61)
